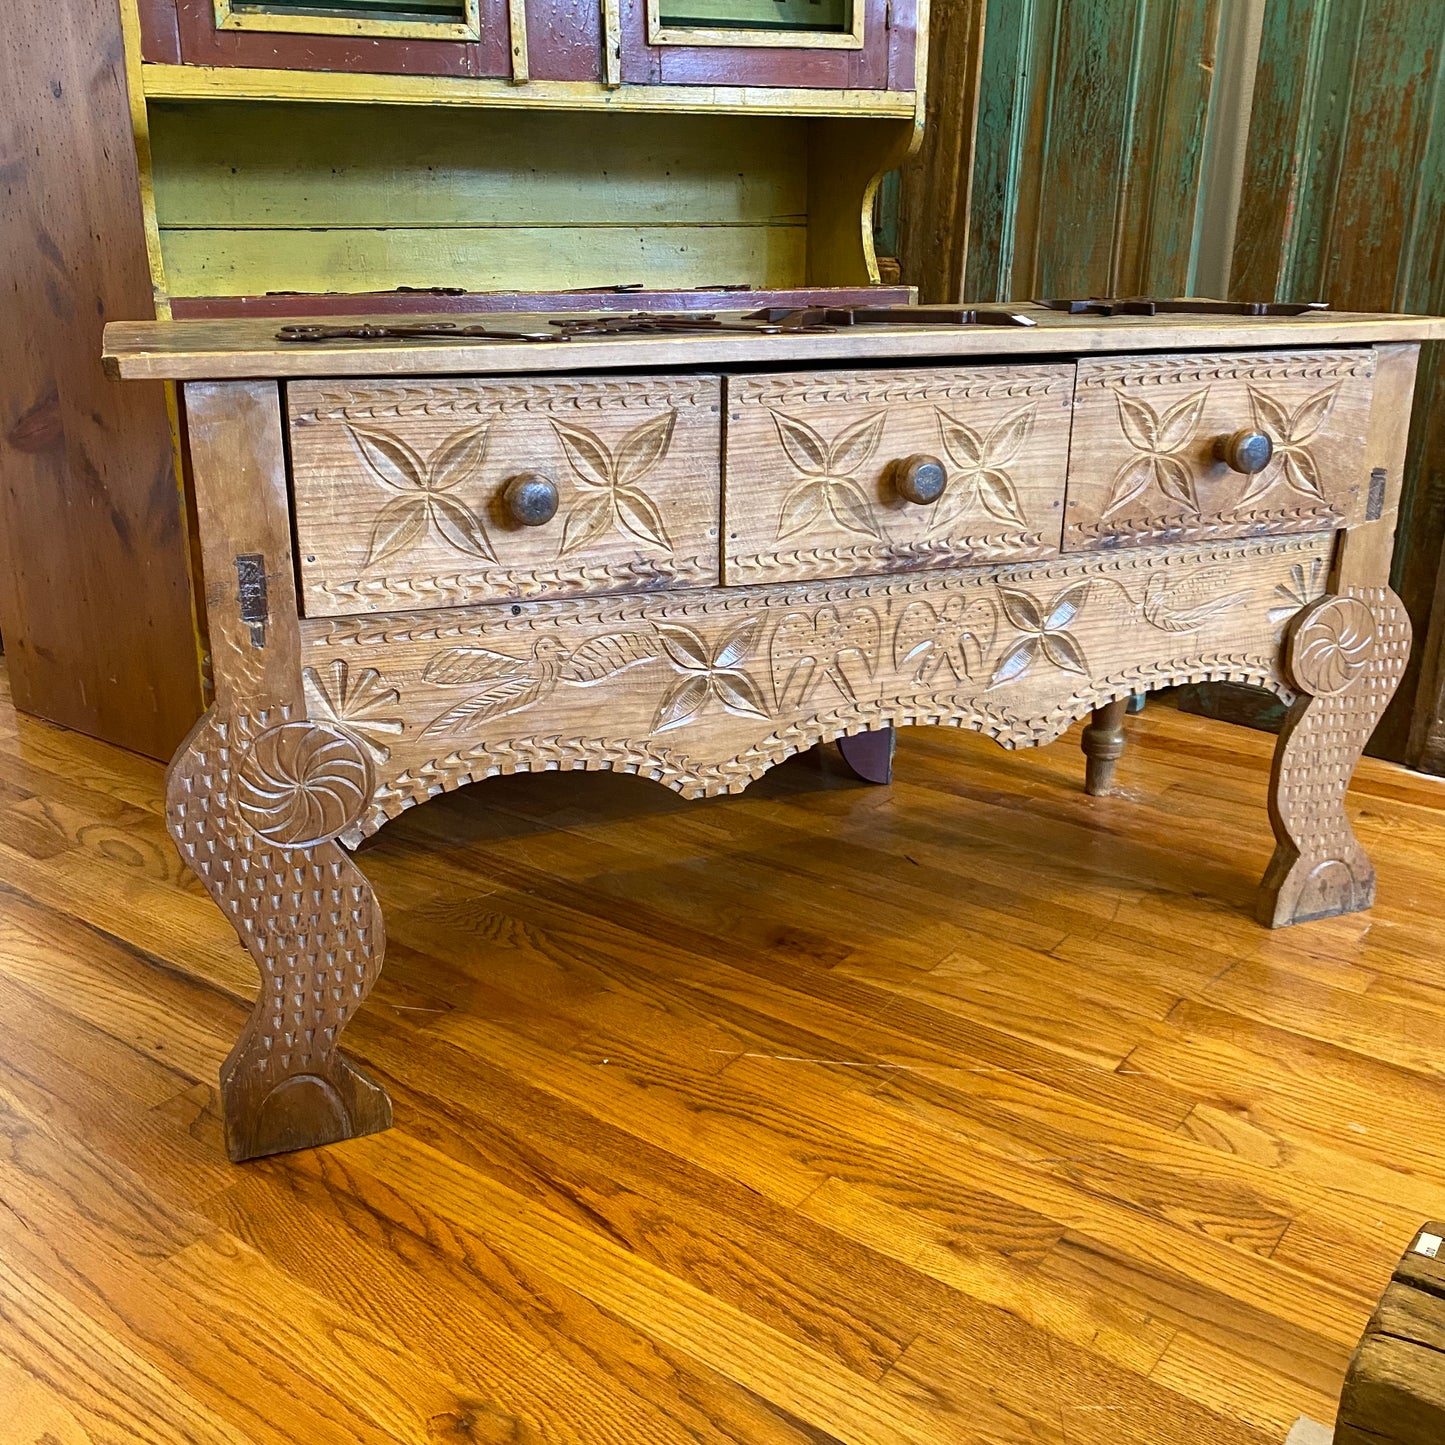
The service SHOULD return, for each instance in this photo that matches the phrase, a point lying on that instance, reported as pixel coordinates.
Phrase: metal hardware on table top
(633, 323)
(638, 323)
(1182, 306)
(848, 316)
(413, 331)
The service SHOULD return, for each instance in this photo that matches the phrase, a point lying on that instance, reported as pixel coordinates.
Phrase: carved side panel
(400, 497)
(705, 691)
(1143, 467)
(813, 469)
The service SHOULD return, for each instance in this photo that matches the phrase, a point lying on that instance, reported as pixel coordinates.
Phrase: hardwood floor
(969, 1110)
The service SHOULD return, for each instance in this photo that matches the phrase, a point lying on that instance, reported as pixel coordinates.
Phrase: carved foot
(1345, 655)
(1103, 743)
(254, 805)
(870, 754)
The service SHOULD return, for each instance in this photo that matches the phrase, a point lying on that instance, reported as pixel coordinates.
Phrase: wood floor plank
(970, 1110)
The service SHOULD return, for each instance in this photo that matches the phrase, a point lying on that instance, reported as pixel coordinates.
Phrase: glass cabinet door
(395, 19)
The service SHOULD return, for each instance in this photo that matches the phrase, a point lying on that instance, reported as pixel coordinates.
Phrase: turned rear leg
(1103, 743)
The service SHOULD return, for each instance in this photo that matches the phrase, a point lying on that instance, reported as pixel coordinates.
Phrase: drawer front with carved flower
(835, 474)
(1181, 448)
(435, 493)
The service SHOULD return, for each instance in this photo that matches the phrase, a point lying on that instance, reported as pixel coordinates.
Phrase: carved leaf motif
(1176, 481)
(1021, 609)
(458, 458)
(640, 517)
(1063, 651)
(682, 702)
(1159, 609)
(738, 644)
(802, 507)
(388, 458)
(1016, 661)
(460, 527)
(1067, 605)
(1269, 415)
(642, 448)
(739, 694)
(999, 499)
(586, 454)
(1140, 424)
(400, 523)
(602, 657)
(505, 695)
(1180, 421)
(1301, 476)
(1007, 439)
(805, 448)
(961, 442)
(1312, 414)
(850, 507)
(586, 521)
(853, 447)
(459, 666)
(683, 646)
(1129, 481)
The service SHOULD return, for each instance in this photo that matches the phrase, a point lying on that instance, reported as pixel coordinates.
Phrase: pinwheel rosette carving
(424, 504)
(1290, 429)
(982, 460)
(609, 480)
(302, 782)
(829, 488)
(1332, 644)
(1161, 443)
(708, 672)
(1045, 632)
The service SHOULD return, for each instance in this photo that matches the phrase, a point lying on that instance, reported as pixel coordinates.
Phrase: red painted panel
(203, 44)
(903, 45)
(564, 40)
(866, 69)
(160, 39)
(412, 303)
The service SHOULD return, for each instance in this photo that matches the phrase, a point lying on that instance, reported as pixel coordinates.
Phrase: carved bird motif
(828, 645)
(1159, 610)
(514, 683)
(955, 635)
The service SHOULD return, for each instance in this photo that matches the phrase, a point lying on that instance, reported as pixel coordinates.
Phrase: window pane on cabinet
(829, 16)
(450, 12)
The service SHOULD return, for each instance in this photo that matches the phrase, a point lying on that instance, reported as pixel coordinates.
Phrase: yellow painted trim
(228, 17)
(198, 82)
(517, 24)
(611, 43)
(140, 130)
(660, 34)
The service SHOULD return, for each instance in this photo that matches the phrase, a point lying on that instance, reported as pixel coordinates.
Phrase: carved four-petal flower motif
(424, 503)
(707, 672)
(1044, 631)
(981, 461)
(1289, 430)
(609, 479)
(829, 488)
(1160, 442)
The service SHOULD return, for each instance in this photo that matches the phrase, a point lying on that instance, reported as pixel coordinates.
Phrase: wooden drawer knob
(530, 499)
(920, 479)
(1246, 450)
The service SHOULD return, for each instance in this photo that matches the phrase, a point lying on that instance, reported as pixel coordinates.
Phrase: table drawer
(816, 478)
(1143, 466)
(405, 492)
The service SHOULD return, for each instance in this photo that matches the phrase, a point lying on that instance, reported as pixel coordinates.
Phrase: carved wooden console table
(691, 555)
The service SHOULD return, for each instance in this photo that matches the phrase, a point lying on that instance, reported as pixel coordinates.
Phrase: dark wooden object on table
(870, 754)
(1394, 1393)
(95, 593)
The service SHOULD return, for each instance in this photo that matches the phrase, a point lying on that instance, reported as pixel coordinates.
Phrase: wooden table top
(221, 349)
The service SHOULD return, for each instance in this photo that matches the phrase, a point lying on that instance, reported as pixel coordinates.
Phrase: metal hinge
(251, 595)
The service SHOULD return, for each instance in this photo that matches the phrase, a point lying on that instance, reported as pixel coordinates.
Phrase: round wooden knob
(1246, 450)
(530, 499)
(920, 479)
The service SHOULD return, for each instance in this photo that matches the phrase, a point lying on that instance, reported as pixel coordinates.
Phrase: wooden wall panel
(95, 598)
(1092, 128)
(1344, 200)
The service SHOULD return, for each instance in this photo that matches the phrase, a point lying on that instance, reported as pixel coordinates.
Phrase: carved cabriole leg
(870, 754)
(1346, 655)
(1103, 743)
(257, 795)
